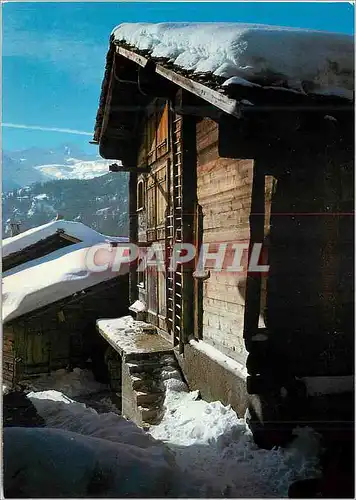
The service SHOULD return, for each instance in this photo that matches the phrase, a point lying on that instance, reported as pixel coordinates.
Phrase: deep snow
(206, 443)
(45, 463)
(307, 61)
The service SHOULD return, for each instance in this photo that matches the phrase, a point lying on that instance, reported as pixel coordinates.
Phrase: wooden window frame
(141, 205)
(142, 284)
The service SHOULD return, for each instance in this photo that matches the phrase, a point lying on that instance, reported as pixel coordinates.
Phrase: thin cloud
(47, 129)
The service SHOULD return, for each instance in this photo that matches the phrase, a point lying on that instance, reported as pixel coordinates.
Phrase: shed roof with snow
(71, 229)
(43, 240)
(51, 275)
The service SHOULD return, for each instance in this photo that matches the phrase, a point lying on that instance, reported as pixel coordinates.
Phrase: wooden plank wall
(8, 357)
(224, 189)
(306, 298)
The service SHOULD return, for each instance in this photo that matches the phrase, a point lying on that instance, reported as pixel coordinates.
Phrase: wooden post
(198, 284)
(133, 235)
(253, 283)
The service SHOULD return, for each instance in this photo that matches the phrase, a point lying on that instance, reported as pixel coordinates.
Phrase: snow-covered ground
(304, 60)
(79, 384)
(213, 444)
(204, 448)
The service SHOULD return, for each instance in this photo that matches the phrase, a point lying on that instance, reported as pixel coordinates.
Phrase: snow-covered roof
(74, 229)
(311, 62)
(49, 279)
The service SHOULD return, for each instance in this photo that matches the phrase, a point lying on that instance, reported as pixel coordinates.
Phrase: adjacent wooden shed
(62, 334)
(51, 301)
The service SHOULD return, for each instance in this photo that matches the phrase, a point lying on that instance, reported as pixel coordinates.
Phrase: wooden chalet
(241, 164)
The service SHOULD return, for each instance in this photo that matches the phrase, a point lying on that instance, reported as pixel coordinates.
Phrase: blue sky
(54, 55)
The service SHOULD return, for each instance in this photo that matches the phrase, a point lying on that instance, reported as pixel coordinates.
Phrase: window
(155, 136)
(140, 195)
(151, 203)
(141, 268)
(156, 203)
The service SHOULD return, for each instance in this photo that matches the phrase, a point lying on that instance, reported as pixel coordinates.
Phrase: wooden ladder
(174, 281)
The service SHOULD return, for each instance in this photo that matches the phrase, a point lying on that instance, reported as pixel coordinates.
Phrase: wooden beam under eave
(132, 56)
(189, 104)
(70, 238)
(220, 101)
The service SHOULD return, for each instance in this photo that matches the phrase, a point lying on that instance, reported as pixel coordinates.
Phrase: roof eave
(230, 103)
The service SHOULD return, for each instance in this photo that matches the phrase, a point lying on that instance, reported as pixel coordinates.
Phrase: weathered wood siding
(155, 151)
(165, 145)
(302, 213)
(224, 193)
(8, 356)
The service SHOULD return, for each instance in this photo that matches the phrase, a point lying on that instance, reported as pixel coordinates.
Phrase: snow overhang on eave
(115, 138)
(122, 100)
(39, 249)
(217, 99)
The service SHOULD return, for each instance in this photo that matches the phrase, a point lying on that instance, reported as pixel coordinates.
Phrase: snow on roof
(75, 229)
(308, 61)
(48, 279)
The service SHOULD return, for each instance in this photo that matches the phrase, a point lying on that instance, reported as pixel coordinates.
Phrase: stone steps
(147, 376)
(148, 360)
(145, 384)
(143, 367)
(147, 398)
(151, 414)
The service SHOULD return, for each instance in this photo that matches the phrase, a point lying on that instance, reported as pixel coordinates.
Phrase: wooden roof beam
(229, 106)
(189, 104)
(132, 56)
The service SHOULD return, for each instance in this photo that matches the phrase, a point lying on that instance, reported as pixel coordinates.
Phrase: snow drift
(47, 463)
(205, 443)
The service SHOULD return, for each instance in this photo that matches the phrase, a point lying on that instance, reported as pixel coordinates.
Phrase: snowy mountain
(22, 168)
(15, 175)
(101, 203)
(75, 169)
